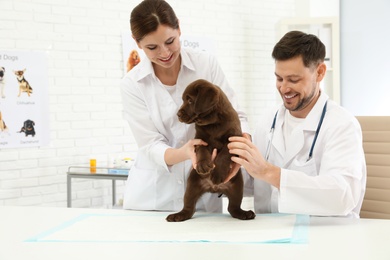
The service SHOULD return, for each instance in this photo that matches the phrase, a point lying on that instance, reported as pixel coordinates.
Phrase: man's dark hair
(296, 43)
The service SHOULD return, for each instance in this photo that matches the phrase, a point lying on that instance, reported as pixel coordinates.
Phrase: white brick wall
(84, 46)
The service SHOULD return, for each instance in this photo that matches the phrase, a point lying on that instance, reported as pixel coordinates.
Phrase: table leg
(69, 191)
(113, 192)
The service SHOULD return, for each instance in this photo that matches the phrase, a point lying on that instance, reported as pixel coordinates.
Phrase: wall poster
(24, 108)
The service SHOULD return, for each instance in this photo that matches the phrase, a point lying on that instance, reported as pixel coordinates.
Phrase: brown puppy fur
(133, 60)
(215, 120)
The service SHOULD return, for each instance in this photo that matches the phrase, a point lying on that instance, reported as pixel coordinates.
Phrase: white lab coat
(332, 183)
(151, 113)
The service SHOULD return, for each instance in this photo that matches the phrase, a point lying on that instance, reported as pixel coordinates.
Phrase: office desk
(75, 233)
(84, 172)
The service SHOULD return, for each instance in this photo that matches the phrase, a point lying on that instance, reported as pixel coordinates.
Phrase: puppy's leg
(193, 192)
(235, 194)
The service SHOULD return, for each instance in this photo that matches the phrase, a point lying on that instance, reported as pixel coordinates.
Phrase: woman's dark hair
(296, 43)
(148, 15)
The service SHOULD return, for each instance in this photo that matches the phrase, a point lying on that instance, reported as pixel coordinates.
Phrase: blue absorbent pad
(151, 227)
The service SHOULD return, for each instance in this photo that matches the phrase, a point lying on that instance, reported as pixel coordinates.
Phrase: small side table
(84, 172)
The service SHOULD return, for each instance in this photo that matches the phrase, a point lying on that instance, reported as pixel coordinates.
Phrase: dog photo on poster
(24, 109)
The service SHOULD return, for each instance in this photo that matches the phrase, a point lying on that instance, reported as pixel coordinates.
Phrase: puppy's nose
(179, 113)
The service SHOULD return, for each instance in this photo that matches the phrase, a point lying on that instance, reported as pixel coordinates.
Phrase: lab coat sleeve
(337, 188)
(136, 112)
(220, 80)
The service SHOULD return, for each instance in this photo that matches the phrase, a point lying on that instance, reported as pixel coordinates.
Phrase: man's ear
(137, 42)
(321, 71)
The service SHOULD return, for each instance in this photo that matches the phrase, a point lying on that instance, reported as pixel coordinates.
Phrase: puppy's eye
(189, 101)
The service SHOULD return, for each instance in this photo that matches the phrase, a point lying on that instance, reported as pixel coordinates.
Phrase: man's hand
(234, 167)
(253, 161)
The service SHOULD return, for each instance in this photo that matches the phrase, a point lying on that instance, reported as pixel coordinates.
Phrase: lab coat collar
(145, 67)
(185, 60)
(310, 124)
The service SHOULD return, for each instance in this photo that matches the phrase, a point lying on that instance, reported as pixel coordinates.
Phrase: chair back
(376, 144)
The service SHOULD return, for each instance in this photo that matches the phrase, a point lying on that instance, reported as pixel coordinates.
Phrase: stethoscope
(314, 140)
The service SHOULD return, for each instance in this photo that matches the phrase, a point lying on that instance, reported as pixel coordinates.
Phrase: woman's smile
(168, 59)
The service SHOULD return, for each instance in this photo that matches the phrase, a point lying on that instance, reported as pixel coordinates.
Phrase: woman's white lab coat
(332, 182)
(151, 113)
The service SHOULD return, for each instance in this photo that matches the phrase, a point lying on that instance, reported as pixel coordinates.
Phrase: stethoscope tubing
(315, 136)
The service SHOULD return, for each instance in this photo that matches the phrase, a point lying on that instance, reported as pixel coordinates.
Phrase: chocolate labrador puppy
(215, 120)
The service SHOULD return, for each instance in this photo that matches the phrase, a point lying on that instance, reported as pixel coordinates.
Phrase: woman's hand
(187, 151)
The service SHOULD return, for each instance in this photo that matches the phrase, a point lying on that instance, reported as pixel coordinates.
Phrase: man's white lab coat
(332, 183)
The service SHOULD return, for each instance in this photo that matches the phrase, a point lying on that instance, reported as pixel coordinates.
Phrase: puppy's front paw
(204, 167)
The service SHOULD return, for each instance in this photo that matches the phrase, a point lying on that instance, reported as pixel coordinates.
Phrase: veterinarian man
(307, 155)
(152, 94)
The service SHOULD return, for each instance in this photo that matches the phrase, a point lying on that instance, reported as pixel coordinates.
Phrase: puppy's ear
(207, 97)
